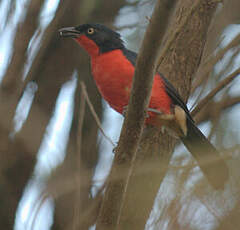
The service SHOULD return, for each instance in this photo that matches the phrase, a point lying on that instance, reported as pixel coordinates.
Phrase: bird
(113, 66)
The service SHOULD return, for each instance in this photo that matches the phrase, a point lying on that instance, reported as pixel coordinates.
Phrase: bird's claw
(148, 110)
(154, 111)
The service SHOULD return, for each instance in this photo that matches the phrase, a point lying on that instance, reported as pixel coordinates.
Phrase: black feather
(171, 91)
(208, 158)
(106, 39)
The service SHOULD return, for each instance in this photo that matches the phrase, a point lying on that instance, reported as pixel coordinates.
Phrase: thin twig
(203, 87)
(212, 60)
(94, 113)
(206, 74)
(207, 112)
(220, 86)
(76, 214)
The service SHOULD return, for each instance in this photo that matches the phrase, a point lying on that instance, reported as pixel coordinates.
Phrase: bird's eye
(90, 31)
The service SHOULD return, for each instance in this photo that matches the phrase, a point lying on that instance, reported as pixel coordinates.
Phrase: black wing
(171, 91)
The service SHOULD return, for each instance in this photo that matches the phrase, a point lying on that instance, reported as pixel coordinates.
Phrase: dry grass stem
(95, 114)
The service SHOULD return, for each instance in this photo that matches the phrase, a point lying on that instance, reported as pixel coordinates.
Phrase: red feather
(113, 74)
(113, 71)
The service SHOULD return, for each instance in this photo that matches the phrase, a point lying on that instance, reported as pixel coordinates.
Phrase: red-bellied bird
(113, 66)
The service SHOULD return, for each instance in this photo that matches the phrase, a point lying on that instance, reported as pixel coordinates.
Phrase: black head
(105, 38)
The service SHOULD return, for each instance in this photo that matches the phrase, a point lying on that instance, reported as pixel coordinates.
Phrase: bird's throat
(88, 45)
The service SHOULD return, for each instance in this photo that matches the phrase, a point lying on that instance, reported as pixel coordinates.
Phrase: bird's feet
(154, 111)
(148, 110)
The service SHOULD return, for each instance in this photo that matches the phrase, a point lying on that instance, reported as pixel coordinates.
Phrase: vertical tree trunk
(179, 64)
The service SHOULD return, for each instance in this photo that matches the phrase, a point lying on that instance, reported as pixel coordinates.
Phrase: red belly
(113, 74)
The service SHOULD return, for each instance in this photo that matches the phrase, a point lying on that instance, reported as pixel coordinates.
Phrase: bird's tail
(209, 160)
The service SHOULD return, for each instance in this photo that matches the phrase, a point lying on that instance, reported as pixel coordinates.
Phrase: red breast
(113, 74)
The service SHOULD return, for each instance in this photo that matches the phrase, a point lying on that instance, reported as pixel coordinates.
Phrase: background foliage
(48, 179)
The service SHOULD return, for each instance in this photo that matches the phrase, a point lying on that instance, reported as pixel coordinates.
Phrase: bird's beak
(69, 32)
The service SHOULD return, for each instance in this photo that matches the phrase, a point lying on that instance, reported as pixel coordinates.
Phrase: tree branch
(110, 214)
(208, 112)
(76, 213)
(207, 65)
(211, 94)
(154, 153)
(179, 64)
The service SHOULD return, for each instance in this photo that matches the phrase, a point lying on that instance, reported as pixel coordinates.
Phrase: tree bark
(179, 64)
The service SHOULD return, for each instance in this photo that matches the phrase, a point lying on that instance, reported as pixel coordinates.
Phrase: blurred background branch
(39, 113)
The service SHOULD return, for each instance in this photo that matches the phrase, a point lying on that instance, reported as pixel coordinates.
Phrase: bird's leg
(155, 111)
(159, 113)
(167, 117)
(148, 110)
